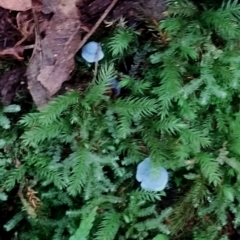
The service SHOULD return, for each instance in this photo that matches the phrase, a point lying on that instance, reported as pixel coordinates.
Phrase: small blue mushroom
(151, 179)
(115, 86)
(92, 52)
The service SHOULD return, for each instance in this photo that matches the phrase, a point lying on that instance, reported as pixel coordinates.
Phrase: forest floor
(39, 40)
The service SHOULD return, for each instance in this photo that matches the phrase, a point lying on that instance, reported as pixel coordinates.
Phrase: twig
(109, 8)
(96, 62)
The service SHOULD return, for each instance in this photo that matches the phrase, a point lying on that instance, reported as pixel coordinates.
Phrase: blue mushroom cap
(151, 179)
(92, 52)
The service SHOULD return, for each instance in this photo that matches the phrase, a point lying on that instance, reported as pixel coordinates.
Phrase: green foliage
(76, 158)
(160, 237)
(83, 231)
(4, 120)
(109, 226)
(120, 42)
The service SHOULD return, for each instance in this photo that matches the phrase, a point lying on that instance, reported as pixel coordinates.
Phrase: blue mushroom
(92, 52)
(151, 179)
(115, 86)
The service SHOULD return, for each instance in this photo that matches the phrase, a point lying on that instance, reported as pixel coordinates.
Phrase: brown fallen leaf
(16, 5)
(52, 77)
(44, 73)
(53, 59)
(14, 52)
